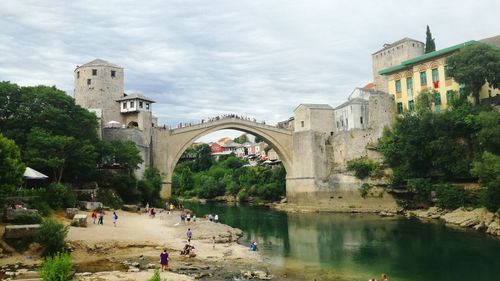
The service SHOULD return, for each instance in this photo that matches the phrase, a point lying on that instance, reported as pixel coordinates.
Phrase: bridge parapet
(229, 121)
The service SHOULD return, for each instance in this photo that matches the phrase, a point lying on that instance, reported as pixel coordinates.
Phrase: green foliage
(109, 198)
(52, 235)
(50, 129)
(241, 139)
(430, 45)
(11, 167)
(228, 177)
(41, 205)
(488, 135)
(123, 154)
(422, 191)
(451, 197)
(59, 197)
(475, 65)
(487, 169)
(363, 167)
(490, 196)
(28, 218)
(57, 268)
(156, 276)
(426, 144)
(364, 189)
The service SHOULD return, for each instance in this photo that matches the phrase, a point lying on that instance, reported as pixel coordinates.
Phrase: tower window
(94, 72)
(302, 123)
(140, 104)
(132, 104)
(361, 119)
(125, 105)
(147, 105)
(89, 81)
(113, 73)
(78, 74)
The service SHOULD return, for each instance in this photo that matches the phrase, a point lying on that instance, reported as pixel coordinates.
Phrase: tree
(475, 65)
(241, 139)
(11, 167)
(52, 152)
(203, 158)
(430, 45)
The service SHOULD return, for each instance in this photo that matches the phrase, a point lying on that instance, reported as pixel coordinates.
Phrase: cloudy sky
(258, 58)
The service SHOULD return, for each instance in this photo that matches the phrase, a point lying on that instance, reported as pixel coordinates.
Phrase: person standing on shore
(189, 235)
(94, 216)
(115, 218)
(213, 242)
(101, 218)
(164, 260)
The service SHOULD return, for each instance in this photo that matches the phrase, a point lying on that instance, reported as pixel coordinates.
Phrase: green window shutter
(435, 75)
(398, 86)
(437, 98)
(411, 105)
(400, 107)
(423, 78)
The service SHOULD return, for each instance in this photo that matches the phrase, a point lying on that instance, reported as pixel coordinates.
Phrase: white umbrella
(112, 123)
(33, 174)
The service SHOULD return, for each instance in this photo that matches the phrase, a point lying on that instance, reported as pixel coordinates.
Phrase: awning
(33, 174)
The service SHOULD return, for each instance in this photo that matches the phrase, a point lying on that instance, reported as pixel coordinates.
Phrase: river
(361, 246)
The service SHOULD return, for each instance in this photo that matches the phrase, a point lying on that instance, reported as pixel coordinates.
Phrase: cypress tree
(430, 46)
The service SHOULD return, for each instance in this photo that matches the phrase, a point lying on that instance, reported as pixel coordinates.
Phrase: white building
(353, 114)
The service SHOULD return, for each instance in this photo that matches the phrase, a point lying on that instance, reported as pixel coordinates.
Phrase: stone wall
(136, 136)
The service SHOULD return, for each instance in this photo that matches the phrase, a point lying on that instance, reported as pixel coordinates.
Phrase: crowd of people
(212, 119)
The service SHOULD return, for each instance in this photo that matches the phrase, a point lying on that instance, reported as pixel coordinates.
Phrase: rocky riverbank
(130, 251)
(479, 219)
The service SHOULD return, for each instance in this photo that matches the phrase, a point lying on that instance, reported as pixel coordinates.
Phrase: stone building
(99, 88)
(391, 55)
(353, 114)
(98, 84)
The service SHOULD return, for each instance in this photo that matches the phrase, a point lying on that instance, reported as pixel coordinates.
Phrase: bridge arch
(171, 144)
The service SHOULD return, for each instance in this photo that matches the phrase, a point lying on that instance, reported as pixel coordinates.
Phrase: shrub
(364, 189)
(156, 276)
(451, 197)
(421, 189)
(28, 218)
(42, 207)
(490, 196)
(52, 235)
(363, 167)
(57, 268)
(243, 195)
(109, 198)
(58, 196)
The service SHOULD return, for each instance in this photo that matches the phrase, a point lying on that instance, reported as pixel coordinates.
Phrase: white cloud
(203, 58)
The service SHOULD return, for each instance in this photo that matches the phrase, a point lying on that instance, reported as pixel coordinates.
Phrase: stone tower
(391, 55)
(98, 85)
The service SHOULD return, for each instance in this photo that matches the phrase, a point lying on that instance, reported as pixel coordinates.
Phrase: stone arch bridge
(169, 144)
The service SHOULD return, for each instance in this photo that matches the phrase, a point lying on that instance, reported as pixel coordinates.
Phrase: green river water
(336, 246)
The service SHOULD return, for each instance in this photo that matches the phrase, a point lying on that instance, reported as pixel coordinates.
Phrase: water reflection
(361, 246)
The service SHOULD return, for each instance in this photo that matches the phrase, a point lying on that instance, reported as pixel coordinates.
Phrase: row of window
(450, 95)
(94, 73)
(132, 104)
(423, 79)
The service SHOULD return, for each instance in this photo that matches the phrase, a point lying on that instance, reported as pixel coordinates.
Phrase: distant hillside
(494, 41)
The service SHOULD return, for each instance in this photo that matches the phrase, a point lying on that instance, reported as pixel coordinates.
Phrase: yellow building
(427, 72)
